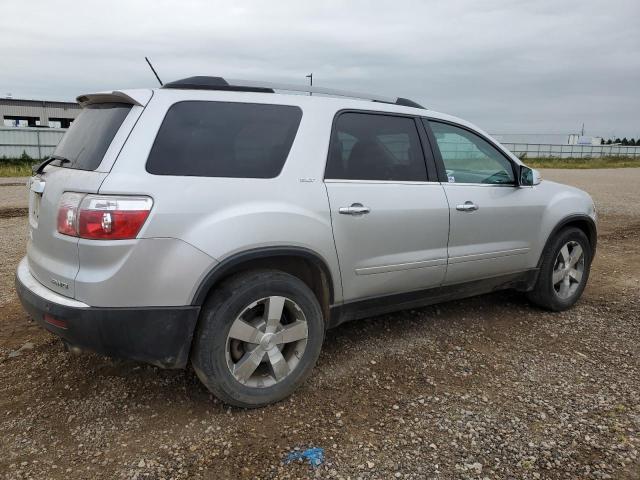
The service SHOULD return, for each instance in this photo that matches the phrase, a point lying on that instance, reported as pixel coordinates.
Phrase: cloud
(509, 66)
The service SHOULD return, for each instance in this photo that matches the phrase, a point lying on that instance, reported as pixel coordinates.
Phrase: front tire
(260, 334)
(564, 271)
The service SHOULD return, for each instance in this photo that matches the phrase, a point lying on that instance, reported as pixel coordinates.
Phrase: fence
(534, 150)
(38, 143)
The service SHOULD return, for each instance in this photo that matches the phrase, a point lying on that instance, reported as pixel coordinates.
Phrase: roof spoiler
(132, 97)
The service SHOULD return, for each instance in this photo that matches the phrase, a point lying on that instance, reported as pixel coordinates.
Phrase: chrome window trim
(375, 182)
(415, 182)
(462, 184)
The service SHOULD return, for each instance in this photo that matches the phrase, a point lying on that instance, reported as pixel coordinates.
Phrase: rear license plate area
(34, 208)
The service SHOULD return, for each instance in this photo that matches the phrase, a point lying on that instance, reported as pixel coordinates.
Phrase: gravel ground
(13, 193)
(613, 189)
(13, 239)
(489, 387)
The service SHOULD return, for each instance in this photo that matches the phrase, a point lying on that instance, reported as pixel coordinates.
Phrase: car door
(390, 223)
(493, 220)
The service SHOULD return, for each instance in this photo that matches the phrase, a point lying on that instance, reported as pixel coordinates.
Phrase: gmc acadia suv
(229, 223)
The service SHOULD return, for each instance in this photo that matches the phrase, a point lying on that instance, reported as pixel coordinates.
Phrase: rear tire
(564, 271)
(259, 335)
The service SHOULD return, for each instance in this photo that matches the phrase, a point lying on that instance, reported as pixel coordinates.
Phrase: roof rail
(219, 83)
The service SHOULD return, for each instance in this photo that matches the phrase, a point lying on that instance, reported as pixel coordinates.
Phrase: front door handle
(354, 209)
(467, 206)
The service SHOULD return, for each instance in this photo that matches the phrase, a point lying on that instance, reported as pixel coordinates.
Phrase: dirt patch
(14, 331)
(13, 212)
(618, 227)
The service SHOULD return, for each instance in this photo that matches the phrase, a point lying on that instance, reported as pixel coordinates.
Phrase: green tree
(618, 140)
(633, 142)
(609, 142)
(625, 141)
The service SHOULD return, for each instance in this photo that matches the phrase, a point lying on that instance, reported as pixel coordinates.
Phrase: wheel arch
(301, 262)
(580, 221)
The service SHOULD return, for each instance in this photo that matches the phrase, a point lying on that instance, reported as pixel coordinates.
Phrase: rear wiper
(40, 167)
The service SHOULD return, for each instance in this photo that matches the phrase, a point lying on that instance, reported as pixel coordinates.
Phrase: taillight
(68, 213)
(103, 217)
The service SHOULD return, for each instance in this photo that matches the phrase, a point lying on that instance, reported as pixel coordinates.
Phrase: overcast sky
(522, 66)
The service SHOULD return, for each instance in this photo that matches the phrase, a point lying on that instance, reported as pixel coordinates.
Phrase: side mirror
(529, 176)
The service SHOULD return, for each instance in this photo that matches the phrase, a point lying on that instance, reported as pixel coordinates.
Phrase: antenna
(154, 71)
(310, 77)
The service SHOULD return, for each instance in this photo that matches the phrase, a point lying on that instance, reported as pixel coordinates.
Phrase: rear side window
(223, 139)
(375, 147)
(90, 135)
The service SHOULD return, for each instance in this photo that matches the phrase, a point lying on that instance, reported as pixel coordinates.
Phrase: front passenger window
(468, 158)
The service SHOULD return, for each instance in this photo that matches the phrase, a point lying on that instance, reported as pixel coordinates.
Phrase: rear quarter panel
(224, 216)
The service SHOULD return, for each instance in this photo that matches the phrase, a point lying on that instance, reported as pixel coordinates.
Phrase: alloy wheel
(266, 341)
(568, 270)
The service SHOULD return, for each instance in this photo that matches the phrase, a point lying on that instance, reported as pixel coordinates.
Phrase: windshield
(90, 135)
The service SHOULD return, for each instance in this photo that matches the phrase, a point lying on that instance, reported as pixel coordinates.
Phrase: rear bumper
(157, 335)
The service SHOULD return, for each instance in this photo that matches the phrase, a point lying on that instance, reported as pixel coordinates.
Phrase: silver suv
(228, 224)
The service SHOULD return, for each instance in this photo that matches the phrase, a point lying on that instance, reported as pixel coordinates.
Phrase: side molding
(221, 269)
(369, 307)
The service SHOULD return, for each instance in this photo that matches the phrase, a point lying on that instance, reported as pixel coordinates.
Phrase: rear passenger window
(222, 139)
(368, 146)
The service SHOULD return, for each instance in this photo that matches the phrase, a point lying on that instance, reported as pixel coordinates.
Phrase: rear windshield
(90, 135)
(224, 139)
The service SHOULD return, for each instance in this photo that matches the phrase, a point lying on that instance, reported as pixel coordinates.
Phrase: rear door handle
(467, 206)
(354, 209)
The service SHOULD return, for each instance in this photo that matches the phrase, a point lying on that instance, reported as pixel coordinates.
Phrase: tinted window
(468, 158)
(375, 147)
(220, 139)
(91, 134)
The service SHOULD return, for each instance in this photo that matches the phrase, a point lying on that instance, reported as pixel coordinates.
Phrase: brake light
(103, 217)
